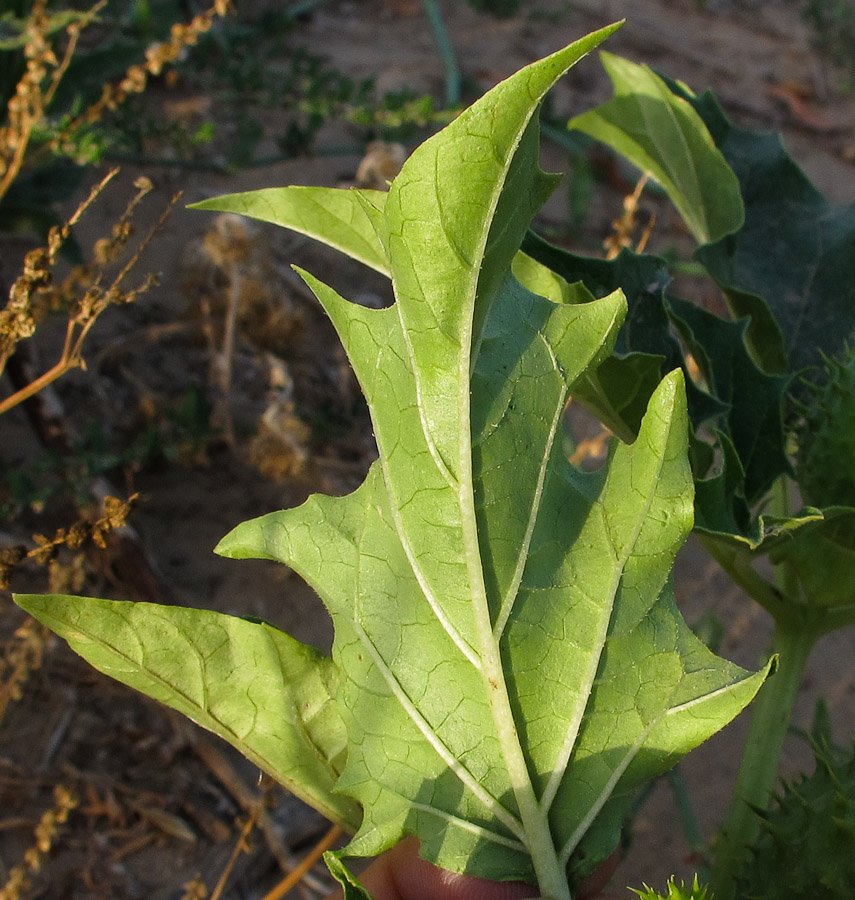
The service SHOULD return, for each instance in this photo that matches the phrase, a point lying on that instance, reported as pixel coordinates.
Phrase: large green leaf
(660, 133)
(510, 662)
(258, 688)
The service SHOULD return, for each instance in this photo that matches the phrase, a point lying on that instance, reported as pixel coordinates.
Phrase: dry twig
(293, 878)
(22, 655)
(86, 530)
(135, 79)
(27, 298)
(28, 106)
(84, 292)
(195, 889)
(624, 227)
(20, 877)
(240, 847)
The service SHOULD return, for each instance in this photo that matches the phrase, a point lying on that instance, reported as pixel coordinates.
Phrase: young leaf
(265, 693)
(662, 134)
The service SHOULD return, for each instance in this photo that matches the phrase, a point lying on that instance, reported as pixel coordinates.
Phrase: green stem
(300, 9)
(772, 711)
(446, 52)
(738, 564)
(688, 819)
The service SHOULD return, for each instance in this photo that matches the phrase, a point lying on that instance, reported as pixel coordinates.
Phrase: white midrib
(551, 877)
(430, 735)
(522, 556)
(550, 873)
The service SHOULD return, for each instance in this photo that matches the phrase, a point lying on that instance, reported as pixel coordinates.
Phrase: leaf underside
(259, 689)
(509, 662)
(661, 133)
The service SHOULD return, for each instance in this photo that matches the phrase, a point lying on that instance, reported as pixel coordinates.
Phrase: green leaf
(339, 218)
(795, 254)
(645, 346)
(351, 888)
(265, 693)
(744, 403)
(754, 421)
(618, 390)
(660, 133)
(512, 661)
(823, 564)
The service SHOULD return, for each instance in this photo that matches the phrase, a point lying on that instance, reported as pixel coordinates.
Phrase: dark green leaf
(646, 332)
(795, 254)
(754, 419)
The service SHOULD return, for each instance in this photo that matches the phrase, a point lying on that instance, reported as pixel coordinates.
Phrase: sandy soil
(156, 805)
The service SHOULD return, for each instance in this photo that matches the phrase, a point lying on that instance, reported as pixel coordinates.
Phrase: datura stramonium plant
(509, 662)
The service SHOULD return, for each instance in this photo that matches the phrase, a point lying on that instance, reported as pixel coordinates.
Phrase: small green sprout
(675, 892)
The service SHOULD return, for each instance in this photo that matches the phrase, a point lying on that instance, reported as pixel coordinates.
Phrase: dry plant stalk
(294, 878)
(46, 832)
(27, 110)
(35, 91)
(84, 292)
(195, 889)
(28, 107)
(22, 655)
(26, 304)
(135, 79)
(240, 847)
(115, 515)
(624, 227)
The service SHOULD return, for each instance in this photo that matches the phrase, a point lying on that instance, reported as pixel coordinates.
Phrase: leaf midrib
(621, 561)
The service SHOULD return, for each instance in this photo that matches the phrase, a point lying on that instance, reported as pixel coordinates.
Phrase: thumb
(401, 874)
